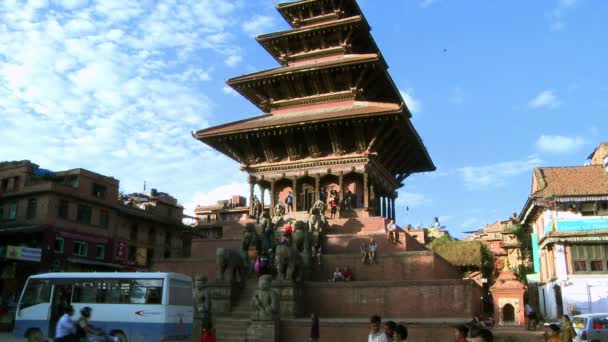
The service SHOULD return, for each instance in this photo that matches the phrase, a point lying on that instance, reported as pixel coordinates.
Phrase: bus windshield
(37, 291)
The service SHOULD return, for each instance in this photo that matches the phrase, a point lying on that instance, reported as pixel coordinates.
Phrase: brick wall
(403, 299)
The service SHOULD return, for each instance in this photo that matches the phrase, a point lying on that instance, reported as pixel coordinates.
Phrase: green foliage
(444, 240)
(523, 233)
(487, 261)
(521, 271)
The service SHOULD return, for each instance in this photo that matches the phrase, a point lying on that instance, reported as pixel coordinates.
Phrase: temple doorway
(508, 314)
(559, 304)
(306, 193)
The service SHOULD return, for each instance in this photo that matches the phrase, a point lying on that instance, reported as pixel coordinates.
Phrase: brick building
(568, 212)
(76, 220)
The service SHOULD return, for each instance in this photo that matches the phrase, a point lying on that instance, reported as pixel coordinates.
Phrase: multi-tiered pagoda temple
(333, 117)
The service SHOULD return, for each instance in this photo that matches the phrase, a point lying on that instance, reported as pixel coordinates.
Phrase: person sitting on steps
(372, 250)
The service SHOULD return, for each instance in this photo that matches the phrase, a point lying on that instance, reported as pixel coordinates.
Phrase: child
(460, 333)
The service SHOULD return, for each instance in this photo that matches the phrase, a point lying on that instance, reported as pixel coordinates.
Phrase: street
(8, 337)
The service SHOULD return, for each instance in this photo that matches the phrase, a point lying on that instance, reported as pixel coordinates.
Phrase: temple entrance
(306, 193)
(508, 314)
(353, 182)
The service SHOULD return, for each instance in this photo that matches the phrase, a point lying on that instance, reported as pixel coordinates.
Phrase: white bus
(137, 306)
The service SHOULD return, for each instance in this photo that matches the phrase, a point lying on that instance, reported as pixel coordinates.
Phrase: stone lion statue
(265, 301)
(230, 265)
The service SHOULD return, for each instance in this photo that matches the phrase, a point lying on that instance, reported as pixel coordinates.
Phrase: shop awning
(21, 229)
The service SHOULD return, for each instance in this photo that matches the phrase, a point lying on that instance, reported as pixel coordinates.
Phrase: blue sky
(116, 86)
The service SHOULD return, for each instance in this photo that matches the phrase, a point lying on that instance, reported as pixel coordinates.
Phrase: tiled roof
(570, 181)
(308, 116)
(334, 62)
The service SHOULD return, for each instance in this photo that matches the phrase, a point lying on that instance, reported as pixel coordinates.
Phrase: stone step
(231, 330)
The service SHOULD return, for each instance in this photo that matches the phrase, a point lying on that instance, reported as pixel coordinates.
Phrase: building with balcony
(76, 220)
(568, 212)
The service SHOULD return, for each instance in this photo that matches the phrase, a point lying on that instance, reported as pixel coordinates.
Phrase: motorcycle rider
(92, 334)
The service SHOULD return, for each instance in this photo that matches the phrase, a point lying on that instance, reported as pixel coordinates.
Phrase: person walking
(401, 333)
(553, 333)
(532, 317)
(314, 328)
(289, 202)
(568, 332)
(375, 334)
(460, 333)
(484, 335)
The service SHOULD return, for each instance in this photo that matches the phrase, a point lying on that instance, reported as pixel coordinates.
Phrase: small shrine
(508, 294)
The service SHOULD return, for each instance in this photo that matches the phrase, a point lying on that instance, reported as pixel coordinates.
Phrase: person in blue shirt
(65, 331)
(289, 202)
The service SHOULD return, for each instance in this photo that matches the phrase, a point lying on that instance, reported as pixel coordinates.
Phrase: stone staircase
(242, 309)
(231, 329)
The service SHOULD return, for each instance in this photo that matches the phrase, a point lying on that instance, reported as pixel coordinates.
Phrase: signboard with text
(23, 253)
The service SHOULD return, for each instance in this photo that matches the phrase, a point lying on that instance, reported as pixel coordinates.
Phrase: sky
(496, 88)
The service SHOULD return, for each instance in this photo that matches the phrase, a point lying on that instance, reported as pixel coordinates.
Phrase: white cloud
(559, 143)
(545, 99)
(259, 24)
(414, 105)
(229, 91)
(115, 87)
(495, 175)
(457, 96)
(427, 3)
(233, 60)
(556, 15)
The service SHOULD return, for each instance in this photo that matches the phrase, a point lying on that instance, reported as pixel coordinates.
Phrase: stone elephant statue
(230, 265)
(301, 239)
(289, 263)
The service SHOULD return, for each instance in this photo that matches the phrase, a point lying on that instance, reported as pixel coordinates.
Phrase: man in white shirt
(376, 335)
(66, 328)
(391, 230)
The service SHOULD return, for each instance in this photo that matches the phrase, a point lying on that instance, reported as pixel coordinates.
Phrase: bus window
(84, 292)
(154, 295)
(180, 292)
(36, 292)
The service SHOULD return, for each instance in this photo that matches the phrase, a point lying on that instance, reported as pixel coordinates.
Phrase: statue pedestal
(222, 295)
(290, 298)
(263, 331)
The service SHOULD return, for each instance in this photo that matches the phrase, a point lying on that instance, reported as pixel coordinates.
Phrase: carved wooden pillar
(393, 216)
(341, 185)
(365, 191)
(272, 195)
(251, 188)
(317, 188)
(261, 195)
(384, 207)
(295, 193)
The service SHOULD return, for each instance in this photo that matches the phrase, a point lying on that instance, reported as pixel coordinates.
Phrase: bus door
(34, 307)
(62, 297)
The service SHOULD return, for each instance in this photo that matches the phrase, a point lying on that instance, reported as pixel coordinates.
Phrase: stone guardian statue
(202, 301)
(265, 301)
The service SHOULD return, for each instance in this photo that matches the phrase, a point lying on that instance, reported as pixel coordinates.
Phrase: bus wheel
(120, 335)
(35, 336)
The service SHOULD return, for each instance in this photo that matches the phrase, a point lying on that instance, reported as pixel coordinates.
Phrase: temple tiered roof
(331, 108)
